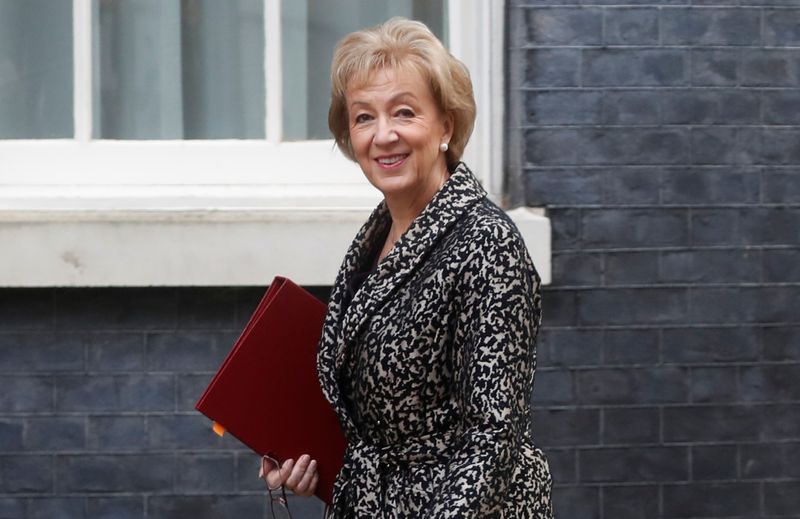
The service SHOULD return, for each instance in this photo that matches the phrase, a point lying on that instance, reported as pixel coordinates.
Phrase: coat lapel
(343, 326)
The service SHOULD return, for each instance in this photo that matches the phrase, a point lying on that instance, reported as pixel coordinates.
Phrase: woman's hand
(300, 477)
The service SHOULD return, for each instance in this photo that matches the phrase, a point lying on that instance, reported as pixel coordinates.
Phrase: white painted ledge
(64, 240)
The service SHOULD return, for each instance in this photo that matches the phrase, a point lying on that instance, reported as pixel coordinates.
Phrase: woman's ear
(449, 122)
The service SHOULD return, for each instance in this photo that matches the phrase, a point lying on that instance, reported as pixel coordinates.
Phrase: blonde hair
(401, 43)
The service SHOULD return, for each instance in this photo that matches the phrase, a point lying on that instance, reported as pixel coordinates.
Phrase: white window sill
(211, 236)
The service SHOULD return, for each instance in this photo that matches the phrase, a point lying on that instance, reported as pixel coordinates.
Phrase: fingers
(278, 476)
(303, 478)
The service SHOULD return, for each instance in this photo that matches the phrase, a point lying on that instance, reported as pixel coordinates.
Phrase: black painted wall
(664, 140)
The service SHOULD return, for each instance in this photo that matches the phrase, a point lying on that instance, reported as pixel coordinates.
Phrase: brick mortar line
(678, 248)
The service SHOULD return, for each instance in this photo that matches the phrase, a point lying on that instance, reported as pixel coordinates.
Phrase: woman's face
(396, 129)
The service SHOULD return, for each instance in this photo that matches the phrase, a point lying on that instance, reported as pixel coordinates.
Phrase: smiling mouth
(392, 160)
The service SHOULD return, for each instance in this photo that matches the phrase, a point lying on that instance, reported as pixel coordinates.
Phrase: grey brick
(780, 421)
(711, 500)
(632, 306)
(190, 389)
(115, 351)
(563, 186)
(782, 27)
(780, 146)
(562, 465)
(781, 107)
(551, 147)
(631, 186)
(583, 502)
(714, 462)
(247, 300)
(207, 309)
(781, 188)
(639, 67)
(26, 393)
(185, 432)
(694, 106)
(115, 507)
(770, 226)
(138, 392)
(631, 268)
(630, 502)
(566, 228)
(185, 351)
(553, 387)
(55, 433)
(771, 460)
(630, 107)
(116, 432)
(561, 308)
(769, 68)
(306, 507)
(631, 26)
(10, 434)
(205, 507)
(715, 67)
(116, 308)
(607, 228)
(781, 498)
(711, 266)
(552, 68)
(782, 343)
(632, 386)
(726, 145)
(638, 146)
(121, 473)
(247, 465)
(714, 384)
(40, 352)
(56, 508)
(577, 269)
(25, 474)
(631, 347)
(715, 423)
(714, 227)
(581, 26)
(708, 26)
(633, 464)
(771, 383)
(570, 348)
(562, 107)
(26, 309)
(205, 474)
(708, 186)
(12, 507)
(710, 345)
(630, 425)
(746, 304)
(558, 427)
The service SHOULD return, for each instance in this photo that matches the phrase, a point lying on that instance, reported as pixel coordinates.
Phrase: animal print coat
(430, 366)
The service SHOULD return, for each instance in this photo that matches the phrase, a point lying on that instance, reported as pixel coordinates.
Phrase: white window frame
(215, 212)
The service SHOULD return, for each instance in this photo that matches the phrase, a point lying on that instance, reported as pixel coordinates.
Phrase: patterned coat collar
(458, 194)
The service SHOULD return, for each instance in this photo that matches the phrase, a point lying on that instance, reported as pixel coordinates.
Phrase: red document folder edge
(267, 394)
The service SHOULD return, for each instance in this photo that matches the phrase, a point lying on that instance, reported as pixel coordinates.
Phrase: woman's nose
(385, 132)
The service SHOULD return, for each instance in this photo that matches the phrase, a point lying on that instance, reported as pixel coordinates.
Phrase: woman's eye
(362, 118)
(405, 112)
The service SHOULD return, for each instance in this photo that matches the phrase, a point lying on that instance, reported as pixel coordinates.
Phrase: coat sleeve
(493, 364)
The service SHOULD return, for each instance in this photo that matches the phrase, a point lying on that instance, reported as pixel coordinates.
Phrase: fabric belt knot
(367, 468)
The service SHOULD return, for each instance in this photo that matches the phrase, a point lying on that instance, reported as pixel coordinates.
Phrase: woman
(427, 352)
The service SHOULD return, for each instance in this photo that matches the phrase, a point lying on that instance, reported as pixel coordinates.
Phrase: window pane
(179, 69)
(35, 69)
(311, 29)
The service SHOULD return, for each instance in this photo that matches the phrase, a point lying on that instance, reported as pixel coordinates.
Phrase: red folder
(267, 394)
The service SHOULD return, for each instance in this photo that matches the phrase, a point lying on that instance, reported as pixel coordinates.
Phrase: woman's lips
(391, 161)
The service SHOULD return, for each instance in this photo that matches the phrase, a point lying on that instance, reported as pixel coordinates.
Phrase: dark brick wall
(97, 394)
(664, 140)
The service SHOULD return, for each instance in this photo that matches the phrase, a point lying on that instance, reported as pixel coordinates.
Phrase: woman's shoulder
(488, 224)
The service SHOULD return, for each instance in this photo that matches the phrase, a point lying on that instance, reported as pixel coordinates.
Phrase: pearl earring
(444, 147)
